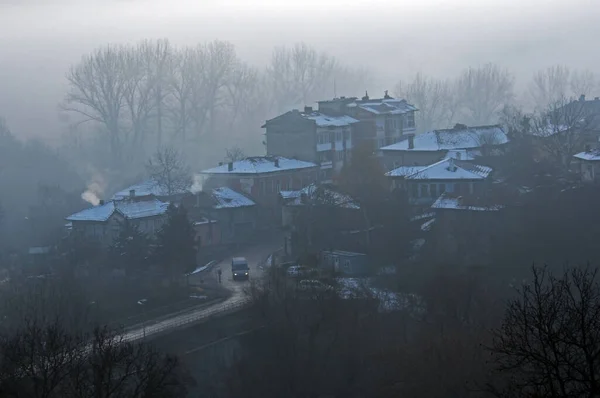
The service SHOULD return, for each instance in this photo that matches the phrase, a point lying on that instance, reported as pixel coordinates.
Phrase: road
(255, 255)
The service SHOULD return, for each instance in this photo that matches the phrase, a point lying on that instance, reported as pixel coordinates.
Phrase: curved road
(255, 255)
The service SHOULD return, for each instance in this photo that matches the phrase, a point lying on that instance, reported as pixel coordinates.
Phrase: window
(442, 188)
(381, 142)
(346, 265)
(277, 186)
(433, 190)
(414, 190)
(338, 135)
(261, 186)
(410, 120)
(340, 155)
(424, 191)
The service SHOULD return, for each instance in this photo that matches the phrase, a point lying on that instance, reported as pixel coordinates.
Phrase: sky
(40, 39)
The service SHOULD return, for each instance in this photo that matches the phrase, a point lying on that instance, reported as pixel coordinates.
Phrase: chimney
(596, 98)
(386, 96)
(451, 165)
(220, 163)
(101, 202)
(582, 97)
(459, 201)
(366, 97)
(303, 198)
(276, 162)
(230, 166)
(587, 148)
(308, 109)
(132, 193)
(411, 141)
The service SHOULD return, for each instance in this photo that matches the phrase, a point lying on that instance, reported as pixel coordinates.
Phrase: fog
(39, 40)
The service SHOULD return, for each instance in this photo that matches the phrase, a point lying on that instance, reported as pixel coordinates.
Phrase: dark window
(433, 190)
(442, 188)
(414, 190)
(338, 136)
(424, 191)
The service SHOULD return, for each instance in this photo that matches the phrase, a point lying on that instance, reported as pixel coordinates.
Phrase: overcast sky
(39, 39)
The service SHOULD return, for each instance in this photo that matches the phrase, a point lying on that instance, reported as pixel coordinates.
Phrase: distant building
(589, 165)
(465, 230)
(103, 223)
(326, 136)
(261, 177)
(424, 184)
(233, 215)
(461, 143)
(345, 263)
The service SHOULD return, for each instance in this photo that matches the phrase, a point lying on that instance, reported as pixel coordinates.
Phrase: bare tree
(234, 153)
(483, 91)
(242, 92)
(583, 82)
(157, 57)
(433, 99)
(299, 75)
(561, 129)
(96, 92)
(169, 170)
(550, 85)
(549, 342)
(45, 361)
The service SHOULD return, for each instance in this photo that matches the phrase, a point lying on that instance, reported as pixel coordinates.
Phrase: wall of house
(394, 159)
(590, 171)
(106, 232)
(292, 136)
(264, 188)
(427, 192)
(208, 234)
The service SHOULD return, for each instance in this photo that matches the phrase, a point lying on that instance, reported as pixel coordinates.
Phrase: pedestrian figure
(219, 273)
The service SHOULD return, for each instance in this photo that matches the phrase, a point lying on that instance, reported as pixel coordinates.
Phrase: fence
(187, 319)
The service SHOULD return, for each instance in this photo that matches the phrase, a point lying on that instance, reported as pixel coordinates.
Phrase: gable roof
(592, 155)
(130, 209)
(460, 137)
(322, 193)
(145, 188)
(259, 165)
(320, 119)
(226, 198)
(385, 106)
(445, 169)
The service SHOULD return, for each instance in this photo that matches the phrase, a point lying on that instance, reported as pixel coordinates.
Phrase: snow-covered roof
(321, 193)
(445, 169)
(259, 165)
(390, 106)
(148, 187)
(448, 202)
(227, 198)
(592, 155)
(323, 120)
(130, 209)
(456, 138)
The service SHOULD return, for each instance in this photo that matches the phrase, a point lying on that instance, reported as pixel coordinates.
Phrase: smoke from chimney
(197, 184)
(95, 189)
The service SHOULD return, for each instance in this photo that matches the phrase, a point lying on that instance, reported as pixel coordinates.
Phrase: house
(151, 187)
(345, 263)
(103, 223)
(312, 136)
(234, 216)
(327, 135)
(261, 177)
(589, 165)
(393, 119)
(319, 216)
(460, 142)
(208, 232)
(465, 230)
(424, 184)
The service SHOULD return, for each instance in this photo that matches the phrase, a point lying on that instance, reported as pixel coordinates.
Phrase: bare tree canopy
(558, 82)
(548, 344)
(234, 153)
(169, 170)
(433, 98)
(483, 91)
